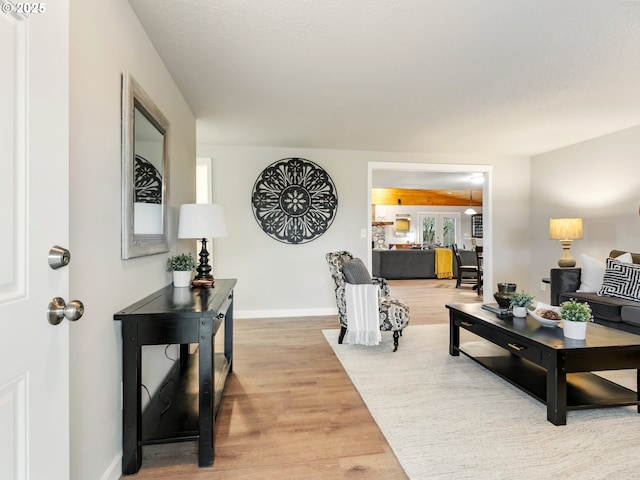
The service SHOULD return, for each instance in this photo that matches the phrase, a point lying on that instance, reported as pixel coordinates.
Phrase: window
(449, 230)
(428, 225)
(438, 228)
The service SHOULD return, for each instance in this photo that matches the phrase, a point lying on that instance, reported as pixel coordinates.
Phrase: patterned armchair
(394, 315)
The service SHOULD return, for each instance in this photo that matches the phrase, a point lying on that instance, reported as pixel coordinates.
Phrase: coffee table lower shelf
(584, 390)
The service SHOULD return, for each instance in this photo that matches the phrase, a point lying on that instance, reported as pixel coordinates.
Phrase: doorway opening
(451, 176)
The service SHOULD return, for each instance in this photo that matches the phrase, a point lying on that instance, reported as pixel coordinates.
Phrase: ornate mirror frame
(145, 194)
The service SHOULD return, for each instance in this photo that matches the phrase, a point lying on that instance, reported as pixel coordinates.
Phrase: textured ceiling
(454, 76)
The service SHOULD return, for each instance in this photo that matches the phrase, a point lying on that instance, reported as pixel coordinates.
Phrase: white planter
(519, 311)
(181, 278)
(575, 330)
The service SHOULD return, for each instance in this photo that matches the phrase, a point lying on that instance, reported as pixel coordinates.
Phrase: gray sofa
(609, 311)
(404, 264)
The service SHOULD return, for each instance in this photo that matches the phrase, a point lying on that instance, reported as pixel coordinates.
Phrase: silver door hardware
(59, 257)
(58, 310)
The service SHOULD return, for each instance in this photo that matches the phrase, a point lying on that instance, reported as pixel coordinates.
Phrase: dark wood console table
(183, 316)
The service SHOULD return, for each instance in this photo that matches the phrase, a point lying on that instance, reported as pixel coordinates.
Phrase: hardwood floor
(290, 411)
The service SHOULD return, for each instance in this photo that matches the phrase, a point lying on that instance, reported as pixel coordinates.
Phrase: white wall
(277, 279)
(106, 38)
(597, 180)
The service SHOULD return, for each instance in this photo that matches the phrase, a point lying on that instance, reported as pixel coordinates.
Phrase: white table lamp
(202, 221)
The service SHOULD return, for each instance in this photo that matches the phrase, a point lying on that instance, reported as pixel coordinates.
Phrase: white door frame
(487, 203)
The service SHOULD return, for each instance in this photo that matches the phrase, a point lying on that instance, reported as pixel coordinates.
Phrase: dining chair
(480, 261)
(462, 269)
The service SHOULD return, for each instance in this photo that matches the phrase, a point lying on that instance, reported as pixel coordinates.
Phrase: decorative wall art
(294, 200)
(476, 225)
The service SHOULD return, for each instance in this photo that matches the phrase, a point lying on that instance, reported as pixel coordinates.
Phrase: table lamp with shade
(566, 230)
(202, 221)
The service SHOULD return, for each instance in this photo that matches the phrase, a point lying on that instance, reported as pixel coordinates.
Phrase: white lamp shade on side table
(202, 220)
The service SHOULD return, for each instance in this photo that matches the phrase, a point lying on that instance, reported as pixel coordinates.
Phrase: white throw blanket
(363, 316)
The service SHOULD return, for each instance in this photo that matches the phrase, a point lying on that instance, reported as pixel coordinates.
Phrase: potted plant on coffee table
(181, 265)
(575, 316)
(519, 302)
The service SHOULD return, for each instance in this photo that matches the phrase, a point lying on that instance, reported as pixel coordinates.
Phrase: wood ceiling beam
(442, 198)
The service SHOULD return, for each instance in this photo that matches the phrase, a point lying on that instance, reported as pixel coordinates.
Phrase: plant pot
(519, 311)
(181, 278)
(575, 330)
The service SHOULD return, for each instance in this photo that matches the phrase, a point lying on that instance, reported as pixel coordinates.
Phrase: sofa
(408, 263)
(611, 289)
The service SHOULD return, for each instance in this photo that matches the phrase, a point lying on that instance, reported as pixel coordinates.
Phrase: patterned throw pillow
(355, 272)
(593, 270)
(621, 280)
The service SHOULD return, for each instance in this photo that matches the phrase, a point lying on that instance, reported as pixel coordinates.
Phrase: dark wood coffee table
(541, 362)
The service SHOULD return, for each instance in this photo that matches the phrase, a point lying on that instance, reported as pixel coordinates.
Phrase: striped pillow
(621, 280)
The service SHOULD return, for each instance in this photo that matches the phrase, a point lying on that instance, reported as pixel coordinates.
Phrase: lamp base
(566, 260)
(202, 282)
(203, 276)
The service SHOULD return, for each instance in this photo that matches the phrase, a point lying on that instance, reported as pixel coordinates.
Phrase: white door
(34, 133)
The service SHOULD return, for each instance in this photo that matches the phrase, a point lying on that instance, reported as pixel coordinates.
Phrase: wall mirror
(145, 173)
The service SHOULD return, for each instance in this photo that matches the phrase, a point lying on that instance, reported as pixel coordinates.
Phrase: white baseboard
(114, 471)
(315, 312)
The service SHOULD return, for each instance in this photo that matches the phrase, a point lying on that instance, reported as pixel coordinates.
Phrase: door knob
(58, 310)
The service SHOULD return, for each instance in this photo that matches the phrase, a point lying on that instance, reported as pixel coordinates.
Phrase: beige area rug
(449, 418)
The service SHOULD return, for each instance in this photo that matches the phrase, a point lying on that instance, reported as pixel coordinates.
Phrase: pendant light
(470, 210)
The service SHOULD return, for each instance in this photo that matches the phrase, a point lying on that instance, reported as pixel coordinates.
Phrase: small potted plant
(519, 302)
(181, 265)
(575, 316)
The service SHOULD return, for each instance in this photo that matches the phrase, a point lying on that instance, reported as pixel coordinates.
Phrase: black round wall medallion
(294, 200)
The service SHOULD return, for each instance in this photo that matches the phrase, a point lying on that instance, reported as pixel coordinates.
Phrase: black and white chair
(394, 314)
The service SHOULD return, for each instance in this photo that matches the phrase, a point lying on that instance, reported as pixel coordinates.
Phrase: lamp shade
(565, 228)
(202, 220)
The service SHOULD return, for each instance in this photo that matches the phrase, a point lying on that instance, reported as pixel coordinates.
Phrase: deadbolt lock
(59, 257)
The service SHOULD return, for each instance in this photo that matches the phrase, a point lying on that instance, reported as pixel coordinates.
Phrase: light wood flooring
(290, 411)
